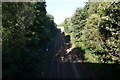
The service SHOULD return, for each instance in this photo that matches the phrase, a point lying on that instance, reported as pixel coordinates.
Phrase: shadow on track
(70, 64)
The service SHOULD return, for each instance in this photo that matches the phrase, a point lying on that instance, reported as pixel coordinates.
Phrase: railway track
(60, 69)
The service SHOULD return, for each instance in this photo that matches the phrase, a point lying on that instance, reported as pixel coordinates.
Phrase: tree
(25, 37)
(95, 29)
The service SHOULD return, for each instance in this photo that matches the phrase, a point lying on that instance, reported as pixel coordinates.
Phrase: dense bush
(27, 30)
(96, 29)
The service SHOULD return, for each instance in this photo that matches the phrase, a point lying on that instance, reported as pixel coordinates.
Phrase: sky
(61, 9)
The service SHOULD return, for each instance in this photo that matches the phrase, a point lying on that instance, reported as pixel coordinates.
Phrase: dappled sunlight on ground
(69, 54)
(69, 62)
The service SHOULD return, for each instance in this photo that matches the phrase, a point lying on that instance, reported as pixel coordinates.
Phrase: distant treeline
(96, 30)
(27, 30)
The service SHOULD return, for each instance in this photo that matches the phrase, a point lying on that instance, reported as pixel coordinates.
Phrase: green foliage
(96, 29)
(91, 35)
(67, 25)
(27, 28)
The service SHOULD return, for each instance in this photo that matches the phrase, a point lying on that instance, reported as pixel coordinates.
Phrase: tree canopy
(96, 29)
(27, 29)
